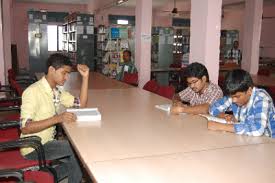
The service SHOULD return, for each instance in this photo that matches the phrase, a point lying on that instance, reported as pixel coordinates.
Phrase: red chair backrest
(151, 86)
(17, 87)
(38, 177)
(166, 91)
(131, 79)
(264, 72)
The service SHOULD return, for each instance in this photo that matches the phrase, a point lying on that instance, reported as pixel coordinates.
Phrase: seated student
(127, 66)
(40, 103)
(252, 107)
(200, 92)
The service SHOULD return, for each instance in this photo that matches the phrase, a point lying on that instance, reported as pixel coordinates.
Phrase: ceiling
(132, 3)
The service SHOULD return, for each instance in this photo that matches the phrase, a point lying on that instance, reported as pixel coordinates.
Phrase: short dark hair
(57, 60)
(128, 51)
(196, 70)
(237, 80)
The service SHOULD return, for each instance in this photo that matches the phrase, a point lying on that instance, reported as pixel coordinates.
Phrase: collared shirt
(40, 102)
(255, 119)
(234, 54)
(209, 95)
(125, 67)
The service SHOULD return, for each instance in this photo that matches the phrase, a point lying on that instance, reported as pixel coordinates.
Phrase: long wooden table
(135, 142)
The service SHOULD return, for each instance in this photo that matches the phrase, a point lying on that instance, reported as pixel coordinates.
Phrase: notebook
(86, 114)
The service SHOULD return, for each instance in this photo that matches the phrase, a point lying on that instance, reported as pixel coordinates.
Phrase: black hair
(57, 60)
(237, 80)
(196, 70)
(128, 51)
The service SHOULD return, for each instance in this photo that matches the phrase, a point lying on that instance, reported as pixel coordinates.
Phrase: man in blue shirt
(252, 107)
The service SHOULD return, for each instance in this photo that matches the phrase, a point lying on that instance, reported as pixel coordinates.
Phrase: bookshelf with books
(101, 37)
(120, 38)
(78, 39)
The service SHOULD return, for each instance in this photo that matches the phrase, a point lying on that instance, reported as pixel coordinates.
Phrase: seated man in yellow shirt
(40, 103)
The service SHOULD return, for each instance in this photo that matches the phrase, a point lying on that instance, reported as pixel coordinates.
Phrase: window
(52, 37)
(55, 38)
(122, 22)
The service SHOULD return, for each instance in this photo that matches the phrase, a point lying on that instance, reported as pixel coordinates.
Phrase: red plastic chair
(9, 128)
(11, 158)
(16, 87)
(151, 86)
(131, 79)
(271, 90)
(166, 91)
(264, 72)
(221, 81)
(12, 176)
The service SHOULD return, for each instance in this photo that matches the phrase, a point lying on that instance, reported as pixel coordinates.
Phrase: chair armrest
(18, 174)
(9, 124)
(11, 108)
(31, 141)
(11, 99)
(6, 90)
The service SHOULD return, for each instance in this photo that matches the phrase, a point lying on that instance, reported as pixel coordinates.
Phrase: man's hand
(83, 70)
(66, 117)
(230, 119)
(176, 109)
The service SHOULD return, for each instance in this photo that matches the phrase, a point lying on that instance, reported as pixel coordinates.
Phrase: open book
(86, 114)
(213, 118)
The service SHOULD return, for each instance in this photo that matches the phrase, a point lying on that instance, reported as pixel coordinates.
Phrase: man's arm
(84, 71)
(176, 100)
(198, 109)
(220, 106)
(255, 123)
(37, 126)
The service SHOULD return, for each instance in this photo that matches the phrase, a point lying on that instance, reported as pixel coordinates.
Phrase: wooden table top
(132, 128)
(136, 142)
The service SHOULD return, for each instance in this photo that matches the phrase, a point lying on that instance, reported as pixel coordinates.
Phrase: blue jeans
(61, 150)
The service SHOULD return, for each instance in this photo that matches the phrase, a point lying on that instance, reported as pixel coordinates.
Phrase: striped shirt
(255, 119)
(209, 95)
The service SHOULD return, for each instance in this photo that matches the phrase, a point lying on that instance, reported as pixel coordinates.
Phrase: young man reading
(200, 92)
(253, 109)
(40, 103)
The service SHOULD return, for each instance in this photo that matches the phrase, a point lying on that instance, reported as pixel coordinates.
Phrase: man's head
(127, 55)
(59, 66)
(236, 44)
(239, 85)
(197, 76)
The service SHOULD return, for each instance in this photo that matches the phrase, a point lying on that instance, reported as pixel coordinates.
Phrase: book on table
(86, 114)
(215, 119)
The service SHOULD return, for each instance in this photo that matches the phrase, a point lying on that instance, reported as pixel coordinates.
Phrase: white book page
(212, 118)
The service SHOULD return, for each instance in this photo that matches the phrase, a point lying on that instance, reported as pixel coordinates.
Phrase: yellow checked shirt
(39, 102)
